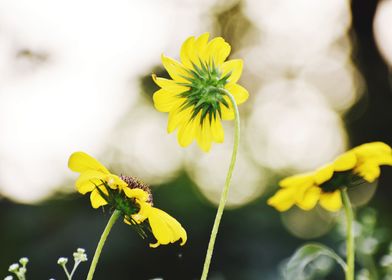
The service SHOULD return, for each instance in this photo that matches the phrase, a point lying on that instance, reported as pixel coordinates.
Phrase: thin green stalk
(225, 191)
(69, 277)
(350, 246)
(116, 214)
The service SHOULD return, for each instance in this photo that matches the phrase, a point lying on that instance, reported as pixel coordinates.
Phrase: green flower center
(340, 180)
(205, 95)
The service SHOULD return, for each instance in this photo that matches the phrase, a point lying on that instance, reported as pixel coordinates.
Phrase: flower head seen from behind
(195, 95)
(128, 195)
(358, 165)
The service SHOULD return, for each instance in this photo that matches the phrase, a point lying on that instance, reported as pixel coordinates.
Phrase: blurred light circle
(292, 128)
(335, 77)
(360, 195)
(84, 85)
(308, 224)
(307, 25)
(143, 148)
(208, 171)
(46, 118)
(382, 29)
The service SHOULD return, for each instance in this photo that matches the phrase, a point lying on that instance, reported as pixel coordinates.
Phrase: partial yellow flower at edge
(307, 189)
(193, 97)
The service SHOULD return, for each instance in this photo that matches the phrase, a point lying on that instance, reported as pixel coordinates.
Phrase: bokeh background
(76, 75)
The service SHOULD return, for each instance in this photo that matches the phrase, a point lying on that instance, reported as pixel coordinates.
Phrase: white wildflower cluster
(79, 257)
(19, 269)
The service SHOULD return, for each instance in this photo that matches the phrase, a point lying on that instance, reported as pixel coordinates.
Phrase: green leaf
(305, 255)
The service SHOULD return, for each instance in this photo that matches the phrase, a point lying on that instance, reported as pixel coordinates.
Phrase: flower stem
(225, 191)
(105, 233)
(350, 246)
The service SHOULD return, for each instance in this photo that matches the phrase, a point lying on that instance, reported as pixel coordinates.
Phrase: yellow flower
(128, 195)
(323, 185)
(194, 97)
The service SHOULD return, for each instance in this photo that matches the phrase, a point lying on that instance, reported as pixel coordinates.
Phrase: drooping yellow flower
(323, 185)
(128, 195)
(194, 97)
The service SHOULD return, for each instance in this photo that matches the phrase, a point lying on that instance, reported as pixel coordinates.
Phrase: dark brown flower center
(135, 183)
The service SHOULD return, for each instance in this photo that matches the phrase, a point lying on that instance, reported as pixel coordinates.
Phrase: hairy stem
(105, 233)
(225, 191)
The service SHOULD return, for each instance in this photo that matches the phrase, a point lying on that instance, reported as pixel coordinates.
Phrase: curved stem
(350, 246)
(225, 191)
(105, 233)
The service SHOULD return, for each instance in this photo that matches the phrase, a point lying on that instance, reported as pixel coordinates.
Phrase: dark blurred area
(253, 241)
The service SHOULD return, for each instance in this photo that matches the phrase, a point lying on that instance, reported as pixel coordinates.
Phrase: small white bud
(9, 277)
(81, 250)
(62, 261)
(13, 267)
(24, 261)
(79, 255)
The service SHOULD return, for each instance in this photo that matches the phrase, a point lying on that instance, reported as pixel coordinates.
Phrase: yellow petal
(80, 162)
(345, 161)
(217, 50)
(217, 130)
(96, 199)
(283, 199)
(373, 147)
(88, 180)
(331, 201)
(187, 53)
(176, 71)
(200, 44)
(166, 101)
(369, 171)
(204, 136)
(302, 189)
(323, 174)
(193, 50)
(234, 68)
(239, 93)
(297, 180)
(310, 199)
(378, 152)
(137, 193)
(169, 85)
(143, 213)
(115, 182)
(165, 228)
(187, 132)
(178, 117)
